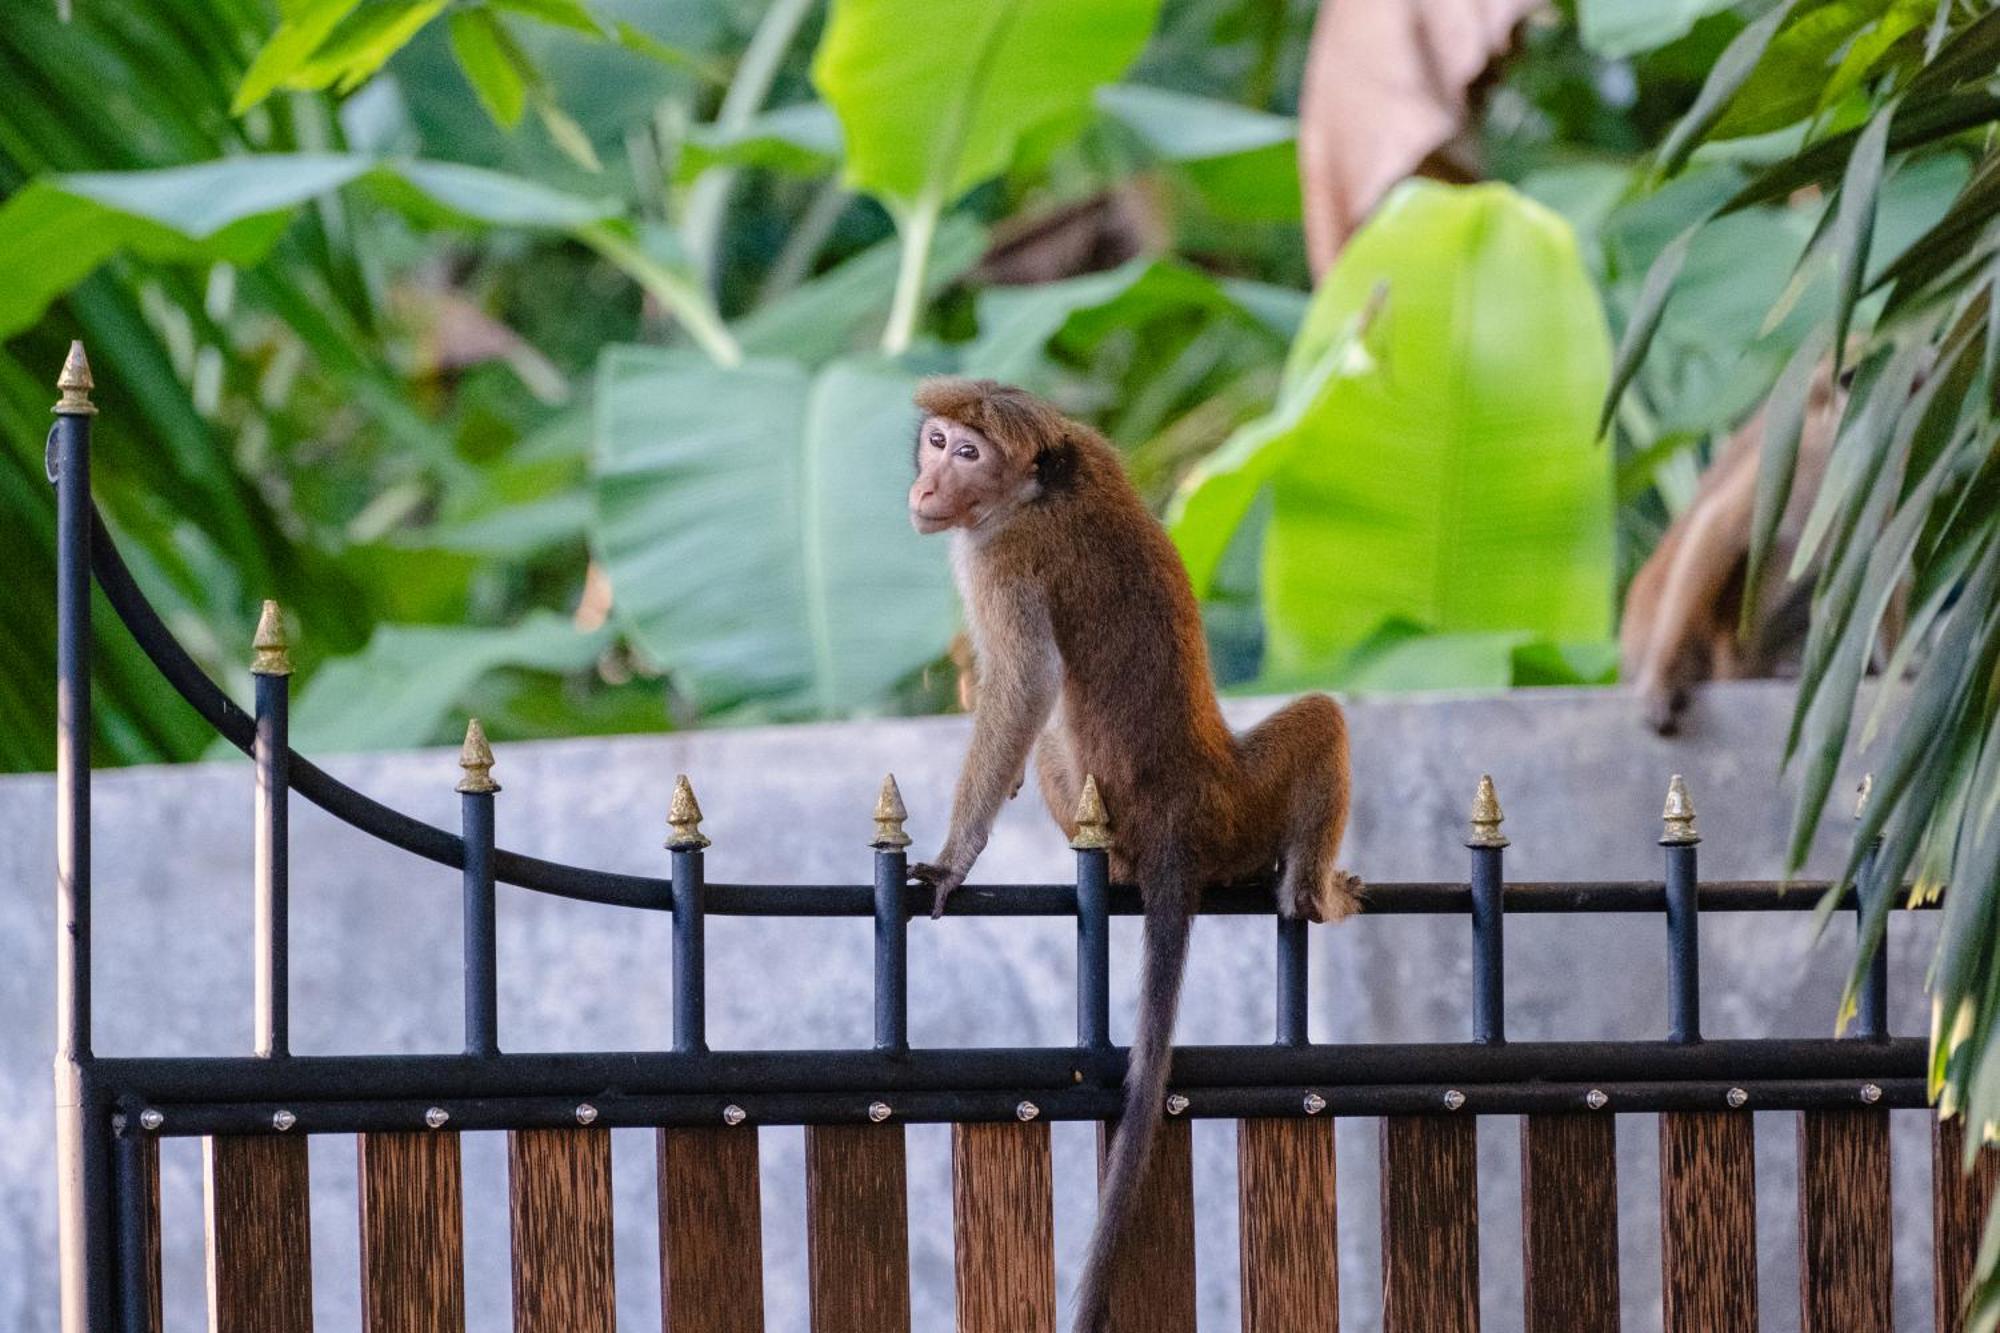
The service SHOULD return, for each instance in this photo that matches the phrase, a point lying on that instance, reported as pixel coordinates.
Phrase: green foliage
(1627, 27)
(1447, 470)
(1244, 163)
(934, 99)
(822, 597)
(343, 334)
(233, 211)
(492, 63)
(411, 679)
(1911, 493)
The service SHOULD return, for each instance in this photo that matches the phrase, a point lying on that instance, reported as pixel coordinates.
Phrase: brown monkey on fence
(1089, 651)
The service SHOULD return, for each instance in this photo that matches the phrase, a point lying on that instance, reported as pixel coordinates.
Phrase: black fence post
(475, 816)
(1092, 843)
(1291, 980)
(84, 1185)
(892, 921)
(271, 668)
(1679, 838)
(1871, 1007)
(690, 963)
(135, 1211)
(1488, 844)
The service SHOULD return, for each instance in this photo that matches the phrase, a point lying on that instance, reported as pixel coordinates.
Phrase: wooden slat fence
(710, 1234)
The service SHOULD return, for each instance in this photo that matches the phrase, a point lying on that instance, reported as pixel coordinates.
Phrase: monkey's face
(964, 480)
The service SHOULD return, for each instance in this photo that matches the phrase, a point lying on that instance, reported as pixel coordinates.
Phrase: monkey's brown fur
(1682, 608)
(1086, 635)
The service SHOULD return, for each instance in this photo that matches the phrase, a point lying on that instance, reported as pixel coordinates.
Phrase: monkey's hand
(942, 879)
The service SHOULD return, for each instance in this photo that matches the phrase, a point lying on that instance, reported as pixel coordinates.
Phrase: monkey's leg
(1296, 764)
(1061, 784)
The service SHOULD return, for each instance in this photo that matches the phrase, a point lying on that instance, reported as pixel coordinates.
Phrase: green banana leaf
(405, 687)
(59, 228)
(1243, 162)
(1450, 480)
(752, 523)
(1618, 28)
(934, 98)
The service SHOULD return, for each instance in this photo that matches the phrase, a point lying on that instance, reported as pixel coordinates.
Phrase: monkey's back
(1138, 702)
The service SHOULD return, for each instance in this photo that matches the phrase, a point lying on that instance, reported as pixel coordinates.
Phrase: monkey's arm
(1018, 681)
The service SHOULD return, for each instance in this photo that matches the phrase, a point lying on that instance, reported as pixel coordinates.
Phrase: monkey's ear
(1055, 466)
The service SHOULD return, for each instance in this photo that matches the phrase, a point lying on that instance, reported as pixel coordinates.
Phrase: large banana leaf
(1243, 162)
(752, 524)
(59, 228)
(1452, 482)
(1615, 28)
(1017, 324)
(403, 688)
(934, 97)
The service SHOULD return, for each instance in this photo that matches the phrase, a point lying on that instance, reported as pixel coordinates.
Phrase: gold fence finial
(1862, 793)
(1093, 825)
(1678, 815)
(684, 817)
(476, 758)
(1486, 816)
(75, 384)
(889, 816)
(272, 651)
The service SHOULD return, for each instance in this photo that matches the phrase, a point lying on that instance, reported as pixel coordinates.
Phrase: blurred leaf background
(570, 341)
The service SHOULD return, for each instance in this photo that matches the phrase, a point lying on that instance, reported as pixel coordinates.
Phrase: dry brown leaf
(1389, 88)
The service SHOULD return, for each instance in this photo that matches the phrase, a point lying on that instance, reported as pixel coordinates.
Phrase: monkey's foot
(942, 880)
(1661, 709)
(1336, 898)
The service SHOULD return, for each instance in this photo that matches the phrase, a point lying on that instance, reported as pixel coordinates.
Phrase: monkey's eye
(966, 451)
(937, 439)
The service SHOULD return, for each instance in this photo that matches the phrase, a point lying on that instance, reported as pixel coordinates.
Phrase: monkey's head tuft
(983, 450)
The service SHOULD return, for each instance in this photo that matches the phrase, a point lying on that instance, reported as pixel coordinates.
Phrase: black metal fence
(110, 1106)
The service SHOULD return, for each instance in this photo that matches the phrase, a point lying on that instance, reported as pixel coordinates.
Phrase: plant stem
(708, 201)
(918, 227)
(686, 299)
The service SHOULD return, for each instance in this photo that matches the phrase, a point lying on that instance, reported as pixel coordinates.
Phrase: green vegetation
(571, 343)
(1440, 462)
(1873, 103)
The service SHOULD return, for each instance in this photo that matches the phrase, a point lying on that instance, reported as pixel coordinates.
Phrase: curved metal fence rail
(253, 1111)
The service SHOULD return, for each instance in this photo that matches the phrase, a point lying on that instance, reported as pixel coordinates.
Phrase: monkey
(1682, 610)
(1090, 654)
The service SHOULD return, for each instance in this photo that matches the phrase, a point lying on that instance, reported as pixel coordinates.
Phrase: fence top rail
(1410, 898)
(655, 893)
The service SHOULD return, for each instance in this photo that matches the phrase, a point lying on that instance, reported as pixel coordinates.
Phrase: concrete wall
(375, 969)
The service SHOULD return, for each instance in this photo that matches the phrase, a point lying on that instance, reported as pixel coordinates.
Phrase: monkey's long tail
(1169, 919)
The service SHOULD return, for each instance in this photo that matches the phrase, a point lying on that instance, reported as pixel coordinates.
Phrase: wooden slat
(412, 1233)
(1430, 1224)
(1003, 1225)
(1708, 1221)
(559, 1187)
(142, 1270)
(1569, 1223)
(1152, 1285)
(1290, 1241)
(711, 1231)
(857, 1229)
(1845, 1228)
(259, 1234)
(1958, 1216)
